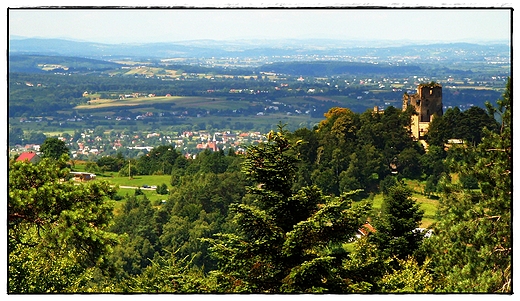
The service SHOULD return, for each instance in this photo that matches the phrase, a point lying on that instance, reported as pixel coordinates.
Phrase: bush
(162, 189)
(386, 183)
(468, 182)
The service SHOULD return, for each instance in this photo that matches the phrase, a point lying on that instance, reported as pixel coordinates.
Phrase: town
(91, 144)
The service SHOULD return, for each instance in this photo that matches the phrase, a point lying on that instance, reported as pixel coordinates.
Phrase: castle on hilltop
(427, 103)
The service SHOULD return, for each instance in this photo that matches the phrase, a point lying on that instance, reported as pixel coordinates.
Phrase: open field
(428, 205)
(128, 186)
(155, 199)
(186, 102)
(139, 181)
(153, 196)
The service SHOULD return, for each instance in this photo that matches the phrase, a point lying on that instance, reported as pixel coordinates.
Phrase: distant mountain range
(246, 48)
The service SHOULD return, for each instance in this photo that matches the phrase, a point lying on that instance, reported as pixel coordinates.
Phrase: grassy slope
(427, 204)
(179, 101)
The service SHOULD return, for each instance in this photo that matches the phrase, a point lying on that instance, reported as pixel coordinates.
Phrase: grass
(127, 186)
(139, 181)
(153, 196)
(428, 205)
(179, 101)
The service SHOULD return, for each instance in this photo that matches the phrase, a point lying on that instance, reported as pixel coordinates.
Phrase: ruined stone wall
(427, 102)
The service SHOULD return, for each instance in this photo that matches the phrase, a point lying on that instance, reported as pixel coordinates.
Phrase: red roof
(26, 156)
(366, 229)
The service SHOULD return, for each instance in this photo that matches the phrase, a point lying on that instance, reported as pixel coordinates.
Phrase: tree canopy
(53, 148)
(58, 231)
(294, 214)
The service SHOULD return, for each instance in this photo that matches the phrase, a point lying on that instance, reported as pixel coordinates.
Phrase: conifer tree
(471, 248)
(286, 239)
(57, 231)
(400, 216)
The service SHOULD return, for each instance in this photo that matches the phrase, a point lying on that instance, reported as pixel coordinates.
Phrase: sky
(277, 21)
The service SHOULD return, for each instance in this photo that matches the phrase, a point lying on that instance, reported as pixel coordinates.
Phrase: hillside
(53, 64)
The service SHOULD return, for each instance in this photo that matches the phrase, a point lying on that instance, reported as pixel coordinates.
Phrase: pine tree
(57, 230)
(400, 216)
(471, 250)
(287, 241)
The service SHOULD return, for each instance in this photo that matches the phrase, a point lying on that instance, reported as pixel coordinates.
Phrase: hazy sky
(170, 25)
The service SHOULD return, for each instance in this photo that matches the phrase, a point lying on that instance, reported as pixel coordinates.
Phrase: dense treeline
(33, 63)
(334, 68)
(281, 218)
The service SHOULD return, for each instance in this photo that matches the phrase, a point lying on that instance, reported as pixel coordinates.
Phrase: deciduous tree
(53, 148)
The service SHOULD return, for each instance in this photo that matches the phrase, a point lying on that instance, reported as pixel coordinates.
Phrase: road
(135, 187)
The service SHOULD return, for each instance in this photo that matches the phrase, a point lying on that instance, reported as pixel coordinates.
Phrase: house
(82, 176)
(30, 157)
(365, 230)
(212, 145)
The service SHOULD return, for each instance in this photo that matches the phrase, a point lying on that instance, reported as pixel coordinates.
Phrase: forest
(291, 215)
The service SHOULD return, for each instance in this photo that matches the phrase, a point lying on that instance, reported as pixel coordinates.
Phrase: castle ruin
(427, 103)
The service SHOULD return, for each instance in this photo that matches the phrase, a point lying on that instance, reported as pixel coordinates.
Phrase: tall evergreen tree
(58, 231)
(285, 239)
(471, 250)
(400, 216)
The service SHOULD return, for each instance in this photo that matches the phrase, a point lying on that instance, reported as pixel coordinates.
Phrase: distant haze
(120, 25)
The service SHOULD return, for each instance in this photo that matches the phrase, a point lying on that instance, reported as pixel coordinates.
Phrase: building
(427, 103)
(82, 176)
(30, 157)
(365, 230)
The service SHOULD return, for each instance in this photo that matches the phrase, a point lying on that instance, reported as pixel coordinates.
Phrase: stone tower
(427, 102)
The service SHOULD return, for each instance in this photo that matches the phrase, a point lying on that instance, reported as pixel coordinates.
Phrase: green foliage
(92, 167)
(162, 189)
(468, 181)
(408, 278)
(472, 246)
(53, 148)
(57, 230)
(364, 266)
(110, 163)
(138, 191)
(129, 170)
(286, 223)
(160, 160)
(395, 225)
(167, 274)
(197, 208)
(431, 185)
(355, 151)
(467, 125)
(282, 238)
(387, 183)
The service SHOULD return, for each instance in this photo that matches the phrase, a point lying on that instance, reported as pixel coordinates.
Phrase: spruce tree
(396, 223)
(286, 241)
